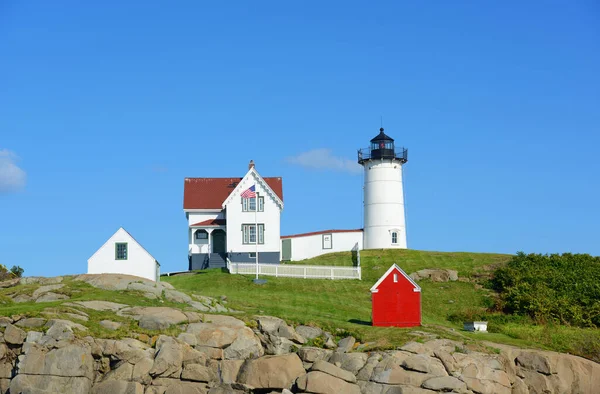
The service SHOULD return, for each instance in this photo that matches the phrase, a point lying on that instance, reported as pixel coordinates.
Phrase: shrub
(551, 288)
(14, 272)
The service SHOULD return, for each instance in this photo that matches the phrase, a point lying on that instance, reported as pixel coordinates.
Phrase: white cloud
(12, 178)
(322, 159)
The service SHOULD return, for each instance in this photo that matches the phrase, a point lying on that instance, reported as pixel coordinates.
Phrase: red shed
(396, 299)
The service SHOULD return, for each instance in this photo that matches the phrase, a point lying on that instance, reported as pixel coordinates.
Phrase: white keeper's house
(222, 223)
(239, 218)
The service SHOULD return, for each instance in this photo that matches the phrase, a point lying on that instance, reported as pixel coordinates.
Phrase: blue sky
(106, 106)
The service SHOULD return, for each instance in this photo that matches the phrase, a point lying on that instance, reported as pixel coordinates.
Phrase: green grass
(345, 305)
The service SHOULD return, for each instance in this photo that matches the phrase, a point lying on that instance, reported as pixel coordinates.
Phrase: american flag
(250, 193)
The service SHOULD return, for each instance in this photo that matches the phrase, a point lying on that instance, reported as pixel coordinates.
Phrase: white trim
(416, 289)
(252, 173)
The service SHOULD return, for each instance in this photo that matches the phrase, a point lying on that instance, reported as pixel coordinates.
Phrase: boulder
(35, 384)
(346, 344)
(275, 345)
(20, 298)
(44, 289)
(320, 382)
(311, 354)
(366, 371)
(309, 332)
(425, 364)
(330, 369)
(176, 386)
(5, 320)
(352, 362)
(99, 305)
(534, 361)
(246, 345)
(229, 370)
(177, 296)
(141, 371)
(110, 325)
(416, 348)
(271, 372)
(154, 318)
(111, 281)
(50, 296)
(146, 287)
(198, 373)
(118, 387)
(29, 280)
(9, 283)
(14, 335)
(169, 358)
(389, 372)
(435, 275)
(445, 383)
(69, 361)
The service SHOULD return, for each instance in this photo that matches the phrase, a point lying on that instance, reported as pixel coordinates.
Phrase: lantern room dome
(382, 147)
(382, 137)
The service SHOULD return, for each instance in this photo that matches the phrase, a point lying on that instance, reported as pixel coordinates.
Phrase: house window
(394, 237)
(252, 255)
(201, 234)
(395, 278)
(327, 241)
(121, 251)
(249, 233)
(249, 204)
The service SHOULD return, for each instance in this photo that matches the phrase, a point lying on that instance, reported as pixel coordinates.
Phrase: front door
(218, 241)
(286, 249)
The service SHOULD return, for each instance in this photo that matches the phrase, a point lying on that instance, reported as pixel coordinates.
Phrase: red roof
(210, 193)
(322, 232)
(211, 222)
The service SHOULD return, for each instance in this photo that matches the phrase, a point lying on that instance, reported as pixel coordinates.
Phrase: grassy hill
(345, 305)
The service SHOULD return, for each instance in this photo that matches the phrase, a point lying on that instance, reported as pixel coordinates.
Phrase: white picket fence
(295, 271)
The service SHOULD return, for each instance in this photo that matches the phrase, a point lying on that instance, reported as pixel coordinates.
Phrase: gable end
(395, 267)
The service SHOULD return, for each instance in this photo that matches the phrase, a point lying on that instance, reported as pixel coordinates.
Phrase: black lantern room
(382, 147)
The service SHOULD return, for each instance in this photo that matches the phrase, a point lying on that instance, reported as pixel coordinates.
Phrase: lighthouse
(384, 221)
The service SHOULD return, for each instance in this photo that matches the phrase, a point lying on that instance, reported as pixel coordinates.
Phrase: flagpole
(256, 229)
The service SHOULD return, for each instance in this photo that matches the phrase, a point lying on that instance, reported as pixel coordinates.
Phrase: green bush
(556, 288)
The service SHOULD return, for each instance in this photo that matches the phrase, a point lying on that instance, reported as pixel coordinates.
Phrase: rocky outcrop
(435, 275)
(221, 354)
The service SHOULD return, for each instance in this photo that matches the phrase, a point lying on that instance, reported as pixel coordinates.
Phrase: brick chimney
(251, 164)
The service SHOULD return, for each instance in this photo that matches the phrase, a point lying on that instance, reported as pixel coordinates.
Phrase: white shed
(122, 254)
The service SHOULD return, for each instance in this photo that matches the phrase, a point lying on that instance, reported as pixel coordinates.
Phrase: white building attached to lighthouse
(384, 219)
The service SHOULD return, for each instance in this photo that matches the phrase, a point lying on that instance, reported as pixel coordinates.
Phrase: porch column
(209, 231)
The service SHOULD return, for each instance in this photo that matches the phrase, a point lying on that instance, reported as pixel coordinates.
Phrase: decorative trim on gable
(416, 288)
(239, 188)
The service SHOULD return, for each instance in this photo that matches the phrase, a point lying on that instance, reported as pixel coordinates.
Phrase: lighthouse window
(395, 278)
(394, 237)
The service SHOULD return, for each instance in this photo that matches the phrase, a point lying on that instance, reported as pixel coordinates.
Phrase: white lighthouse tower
(385, 225)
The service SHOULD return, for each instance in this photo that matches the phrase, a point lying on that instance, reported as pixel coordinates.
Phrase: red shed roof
(394, 267)
(210, 222)
(322, 232)
(209, 193)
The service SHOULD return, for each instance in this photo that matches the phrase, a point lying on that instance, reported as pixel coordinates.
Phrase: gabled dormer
(265, 188)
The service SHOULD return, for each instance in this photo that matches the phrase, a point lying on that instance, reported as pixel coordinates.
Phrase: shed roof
(394, 267)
